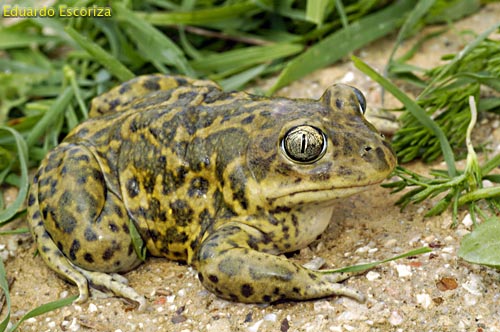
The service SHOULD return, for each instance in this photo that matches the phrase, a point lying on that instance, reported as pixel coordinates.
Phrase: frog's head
(314, 151)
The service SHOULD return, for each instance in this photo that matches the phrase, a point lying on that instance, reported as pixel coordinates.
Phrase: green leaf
(483, 244)
(340, 43)
(137, 241)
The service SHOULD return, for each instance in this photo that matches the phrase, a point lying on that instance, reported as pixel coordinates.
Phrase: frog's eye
(361, 100)
(304, 144)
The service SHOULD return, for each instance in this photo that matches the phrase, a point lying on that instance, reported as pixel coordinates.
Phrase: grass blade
(246, 57)
(44, 308)
(50, 117)
(4, 285)
(367, 266)
(22, 153)
(199, 17)
(315, 11)
(340, 43)
(115, 67)
(156, 46)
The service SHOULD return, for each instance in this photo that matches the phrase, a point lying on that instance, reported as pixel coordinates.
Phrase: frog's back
(159, 152)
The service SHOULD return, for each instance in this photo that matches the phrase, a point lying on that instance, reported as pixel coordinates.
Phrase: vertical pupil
(303, 144)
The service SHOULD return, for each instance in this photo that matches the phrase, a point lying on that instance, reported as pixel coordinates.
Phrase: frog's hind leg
(230, 266)
(80, 226)
(48, 249)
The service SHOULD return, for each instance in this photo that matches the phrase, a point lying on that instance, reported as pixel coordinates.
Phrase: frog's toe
(115, 284)
(341, 290)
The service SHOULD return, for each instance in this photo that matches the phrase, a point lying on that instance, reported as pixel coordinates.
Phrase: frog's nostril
(368, 148)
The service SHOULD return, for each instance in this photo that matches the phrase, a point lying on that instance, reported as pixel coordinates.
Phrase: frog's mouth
(317, 196)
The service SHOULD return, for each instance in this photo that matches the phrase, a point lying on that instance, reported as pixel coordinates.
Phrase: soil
(432, 292)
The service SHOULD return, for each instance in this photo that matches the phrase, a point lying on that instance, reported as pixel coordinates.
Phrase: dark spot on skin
(113, 103)
(247, 290)
(130, 249)
(339, 103)
(88, 257)
(75, 246)
(132, 187)
(108, 253)
(90, 235)
(67, 223)
(182, 212)
(247, 120)
(152, 84)
(31, 199)
(133, 126)
(296, 290)
(313, 276)
(45, 249)
(113, 227)
(149, 184)
(124, 88)
(266, 298)
(200, 277)
(81, 179)
(83, 157)
(198, 187)
(118, 211)
(213, 278)
(36, 215)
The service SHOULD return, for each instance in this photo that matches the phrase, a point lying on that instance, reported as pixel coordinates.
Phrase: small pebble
(403, 270)
(270, 317)
(448, 250)
(390, 243)
(467, 221)
(395, 318)
(255, 327)
(424, 300)
(362, 250)
(371, 275)
(487, 184)
(315, 264)
(92, 307)
(474, 285)
(31, 320)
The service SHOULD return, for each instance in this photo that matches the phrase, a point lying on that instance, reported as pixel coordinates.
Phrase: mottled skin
(206, 179)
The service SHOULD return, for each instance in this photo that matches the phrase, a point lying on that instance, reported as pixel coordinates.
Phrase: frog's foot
(233, 270)
(115, 283)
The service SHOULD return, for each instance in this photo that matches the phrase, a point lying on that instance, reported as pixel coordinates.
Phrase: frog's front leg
(230, 266)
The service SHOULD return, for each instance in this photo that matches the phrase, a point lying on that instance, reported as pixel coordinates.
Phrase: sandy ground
(432, 292)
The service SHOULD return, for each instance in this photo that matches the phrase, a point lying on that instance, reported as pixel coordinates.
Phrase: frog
(226, 182)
